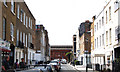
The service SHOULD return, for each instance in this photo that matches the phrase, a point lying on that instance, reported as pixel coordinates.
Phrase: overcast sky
(62, 18)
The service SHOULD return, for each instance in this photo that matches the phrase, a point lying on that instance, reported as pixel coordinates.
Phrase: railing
(20, 44)
(31, 46)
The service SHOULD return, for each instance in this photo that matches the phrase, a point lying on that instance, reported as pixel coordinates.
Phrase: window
(116, 33)
(12, 32)
(24, 18)
(21, 16)
(17, 37)
(18, 10)
(31, 38)
(26, 40)
(4, 28)
(106, 37)
(21, 36)
(29, 21)
(91, 32)
(12, 6)
(102, 21)
(97, 26)
(99, 23)
(103, 39)
(5, 3)
(110, 13)
(106, 17)
(100, 40)
(16, 55)
(19, 56)
(33, 56)
(26, 21)
(31, 24)
(97, 42)
(110, 36)
(116, 5)
(91, 46)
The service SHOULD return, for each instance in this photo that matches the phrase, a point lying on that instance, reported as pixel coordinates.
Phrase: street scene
(60, 36)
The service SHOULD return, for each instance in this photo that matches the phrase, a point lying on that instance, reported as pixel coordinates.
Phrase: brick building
(85, 42)
(18, 28)
(42, 43)
(59, 51)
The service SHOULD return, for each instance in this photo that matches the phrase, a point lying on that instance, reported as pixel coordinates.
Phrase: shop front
(4, 50)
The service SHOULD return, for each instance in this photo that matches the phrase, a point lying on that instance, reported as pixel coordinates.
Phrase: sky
(61, 18)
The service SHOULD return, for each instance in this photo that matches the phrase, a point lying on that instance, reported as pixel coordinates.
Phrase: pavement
(82, 68)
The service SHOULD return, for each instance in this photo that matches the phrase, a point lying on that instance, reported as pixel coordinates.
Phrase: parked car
(59, 62)
(63, 61)
(55, 65)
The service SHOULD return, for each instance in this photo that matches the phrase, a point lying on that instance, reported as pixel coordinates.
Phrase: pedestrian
(22, 63)
(5, 64)
(16, 65)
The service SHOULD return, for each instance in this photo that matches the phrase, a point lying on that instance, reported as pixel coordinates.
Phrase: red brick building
(59, 51)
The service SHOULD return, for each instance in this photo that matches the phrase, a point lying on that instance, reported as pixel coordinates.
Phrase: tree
(68, 54)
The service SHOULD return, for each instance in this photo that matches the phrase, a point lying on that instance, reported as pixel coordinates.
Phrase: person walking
(16, 64)
(22, 63)
(5, 64)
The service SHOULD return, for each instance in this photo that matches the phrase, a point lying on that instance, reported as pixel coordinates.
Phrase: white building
(77, 46)
(106, 35)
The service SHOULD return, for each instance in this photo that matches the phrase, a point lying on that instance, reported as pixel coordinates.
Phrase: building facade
(74, 45)
(18, 28)
(59, 51)
(85, 42)
(106, 35)
(42, 43)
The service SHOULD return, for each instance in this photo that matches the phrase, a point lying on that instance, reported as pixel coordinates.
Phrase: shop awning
(4, 46)
(99, 53)
(4, 49)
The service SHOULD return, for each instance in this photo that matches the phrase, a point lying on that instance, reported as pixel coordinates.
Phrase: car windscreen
(53, 62)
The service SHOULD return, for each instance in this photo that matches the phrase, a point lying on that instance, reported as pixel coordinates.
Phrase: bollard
(87, 68)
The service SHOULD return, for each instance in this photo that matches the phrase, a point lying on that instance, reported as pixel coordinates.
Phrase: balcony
(31, 46)
(20, 44)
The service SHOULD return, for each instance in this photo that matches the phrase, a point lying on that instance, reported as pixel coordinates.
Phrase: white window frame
(17, 37)
(4, 28)
(31, 38)
(21, 15)
(106, 37)
(26, 40)
(29, 21)
(110, 35)
(5, 3)
(21, 36)
(106, 17)
(24, 18)
(12, 31)
(12, 6)
(100, 41)
(18, 11)
(102, 21)
(103, 40)
(26, 21)
(99, 23)
(109, 13)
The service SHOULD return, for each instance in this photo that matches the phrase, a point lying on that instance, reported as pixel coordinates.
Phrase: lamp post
(86, 51)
